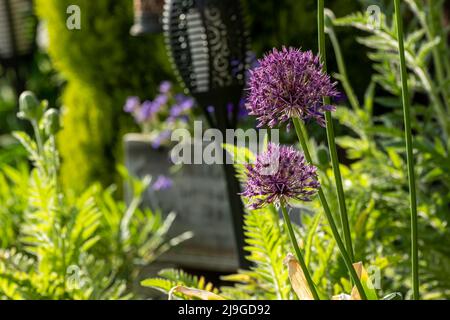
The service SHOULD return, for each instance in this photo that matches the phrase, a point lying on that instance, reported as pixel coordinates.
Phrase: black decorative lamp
(17, 35)
(147, 17)
(208, 45)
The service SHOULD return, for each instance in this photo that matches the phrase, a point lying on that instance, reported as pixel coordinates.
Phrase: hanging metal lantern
(17, 30)
(208, 45)
(147, 17)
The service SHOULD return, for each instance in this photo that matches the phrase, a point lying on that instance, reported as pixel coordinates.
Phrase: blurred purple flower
(280, 174)
(164, 135)
(146, 111)
(340, 98)
(254, 63)
(184, 119)
(165, 87)
(160, 101)
(150, 108)
(162, 183)
(242, 111)
(175, 111)
(183, 103)
(236, 67)
(289, 83)
(230, 108)
(131, 104)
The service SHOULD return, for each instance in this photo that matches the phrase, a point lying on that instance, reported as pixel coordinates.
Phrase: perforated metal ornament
(17, 30)
(208, 44)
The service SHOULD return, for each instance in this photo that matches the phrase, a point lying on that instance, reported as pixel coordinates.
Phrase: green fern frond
(266, 244)
(170, 278)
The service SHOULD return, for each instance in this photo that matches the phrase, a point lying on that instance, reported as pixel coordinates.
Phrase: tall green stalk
(342, 69)
(299, 254)
(328, 214)
(331, 138)
(409, 150)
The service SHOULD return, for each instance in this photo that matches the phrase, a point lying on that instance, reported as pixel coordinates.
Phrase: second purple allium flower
(289, 83)
(280, 174)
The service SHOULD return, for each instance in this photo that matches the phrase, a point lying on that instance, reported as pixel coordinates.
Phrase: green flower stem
(409, 150)
(438, 51)
(55, 165)
(37, 133)
(294, 242)
(326, 209)
(342, 69)
(331, 139)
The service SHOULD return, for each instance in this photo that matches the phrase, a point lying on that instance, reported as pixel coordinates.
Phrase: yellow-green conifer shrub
(103, 65)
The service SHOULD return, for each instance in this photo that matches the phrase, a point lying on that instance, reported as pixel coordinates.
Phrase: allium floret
(280, 174)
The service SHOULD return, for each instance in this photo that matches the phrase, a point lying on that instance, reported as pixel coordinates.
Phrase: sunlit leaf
(194, 293)
(297, 277)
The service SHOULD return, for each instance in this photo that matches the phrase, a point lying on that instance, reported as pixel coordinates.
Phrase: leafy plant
(268, 245)
(65, 245)
(374, 178)
(93, 118)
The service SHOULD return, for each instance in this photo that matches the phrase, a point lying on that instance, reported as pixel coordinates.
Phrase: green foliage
(288, 22)
(374, 178)
(170, 278)
(66, 245)
(13, 191)
(376, 143)
(267, 279)
(267, 247)
(103, 65)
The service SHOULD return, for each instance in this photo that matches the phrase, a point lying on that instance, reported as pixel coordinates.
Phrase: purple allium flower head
(289, 83)
(131, 104)
(162, 183)
(280, 174)
(165, 87)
